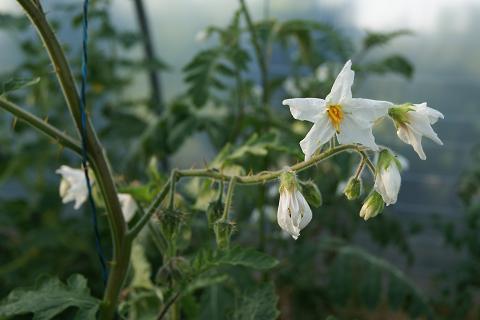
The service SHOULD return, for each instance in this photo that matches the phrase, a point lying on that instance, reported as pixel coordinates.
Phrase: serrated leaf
(50, 298)
(259, 304)
(235, 256)
(16, 84)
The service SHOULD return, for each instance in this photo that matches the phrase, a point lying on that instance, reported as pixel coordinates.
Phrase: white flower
(73, 186)
(321, 73)
(351, 119)
(387, 177)
(413, 122)
(129, 205)
(293, 212)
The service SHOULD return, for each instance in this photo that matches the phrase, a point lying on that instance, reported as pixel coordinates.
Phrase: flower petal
(305, 208)
(318, 135)
(342, 87)
(409, 136)
(421, 124)
(387, 183)
(307, 109)
(433, 115)
(352, 132)
(366, 111)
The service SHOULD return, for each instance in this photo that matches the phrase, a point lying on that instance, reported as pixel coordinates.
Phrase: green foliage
(375, 39)
(51, 298)
(16, 84)
(360, 277)
(259, 304)
(392, 64)
(235, 256)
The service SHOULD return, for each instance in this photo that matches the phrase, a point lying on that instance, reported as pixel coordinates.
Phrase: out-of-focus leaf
(16, 84)
(392, 64)
(237, 256)
(50, 299)
(13, 22)
(373, 39)
(259, 303)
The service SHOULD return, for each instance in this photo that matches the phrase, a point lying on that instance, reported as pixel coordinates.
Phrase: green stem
(150, 211)
(369, 163)
(229, 198)
(264, 177)
(42, 126)
(173, 178)
(360, 167)
(99, 162)
(260, 55)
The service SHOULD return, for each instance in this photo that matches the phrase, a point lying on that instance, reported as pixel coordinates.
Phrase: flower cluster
(347, 120)
(73, 187)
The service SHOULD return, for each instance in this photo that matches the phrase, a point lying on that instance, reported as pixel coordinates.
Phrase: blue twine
(98, 244)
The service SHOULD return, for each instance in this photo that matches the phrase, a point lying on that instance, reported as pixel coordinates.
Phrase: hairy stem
(98, 159)
(42, 126)
(229, 198)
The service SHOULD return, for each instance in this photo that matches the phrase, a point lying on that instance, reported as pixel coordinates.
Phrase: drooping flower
(414, 121)
(387, 177)
(293, 212)
(73, 186)
(372, 206)
(350, 119)
(129, 205)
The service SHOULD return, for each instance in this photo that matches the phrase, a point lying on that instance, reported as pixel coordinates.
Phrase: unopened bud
(372, 206)
(353, 189)
(311, 193)
(288, 181)
(170, 222)
(214, 212)
(223, 232)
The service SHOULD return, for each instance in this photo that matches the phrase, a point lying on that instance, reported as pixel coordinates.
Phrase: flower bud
(170, 220)
(214, 212)
(372, 206)
(311, 193)
(223, 232)
(353, 189)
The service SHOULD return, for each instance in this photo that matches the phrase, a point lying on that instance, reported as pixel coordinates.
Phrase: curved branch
(42, 126)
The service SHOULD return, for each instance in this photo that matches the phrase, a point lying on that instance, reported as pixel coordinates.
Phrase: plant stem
(260, 55)
(151, 210)
(42, 126)
(360, 167)
(228, 200)
(155, 84)
(99, 162)
(173, 180)
(264, 177)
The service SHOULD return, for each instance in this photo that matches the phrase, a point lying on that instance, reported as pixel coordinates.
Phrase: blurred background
(437, 247)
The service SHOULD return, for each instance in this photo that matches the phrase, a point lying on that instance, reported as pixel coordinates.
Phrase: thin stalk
(173, 180)
(150, 211)
(268, 176)
(360, 167)
(43, 126)
(154, 77)
(260, 55)
(229, 197)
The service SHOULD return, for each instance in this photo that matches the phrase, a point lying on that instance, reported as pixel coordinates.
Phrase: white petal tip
(286, 102)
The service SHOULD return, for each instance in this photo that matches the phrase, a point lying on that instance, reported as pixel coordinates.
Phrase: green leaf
(259, 304)
(374, 39)
(235, 256)
(16, 84)
(392, 64)
(51, 298)
(12, 21)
